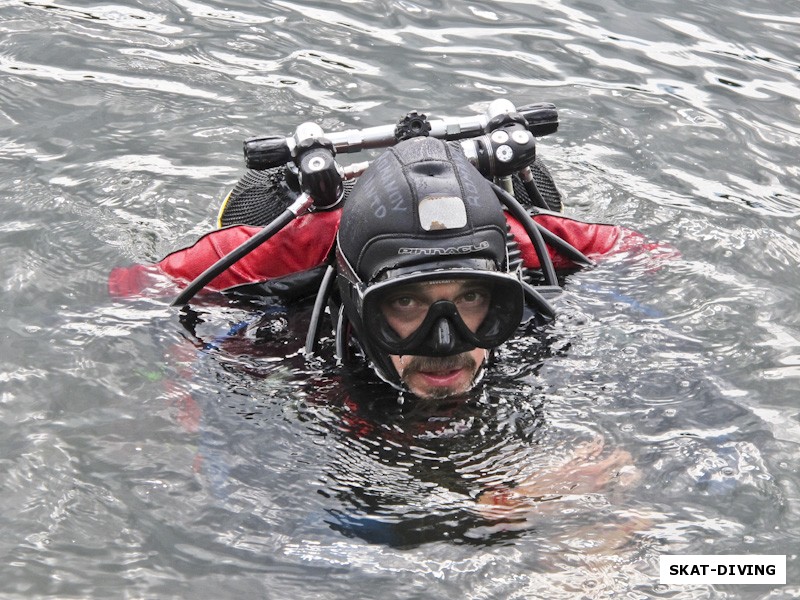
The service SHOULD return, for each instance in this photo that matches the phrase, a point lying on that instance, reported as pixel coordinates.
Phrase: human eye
(476, 296)
(403, 304)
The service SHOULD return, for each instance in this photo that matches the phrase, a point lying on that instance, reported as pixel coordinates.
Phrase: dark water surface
(134, 465)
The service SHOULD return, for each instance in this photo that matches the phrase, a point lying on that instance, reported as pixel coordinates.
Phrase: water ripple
(56, 74)
(115, 16)
(136, 456)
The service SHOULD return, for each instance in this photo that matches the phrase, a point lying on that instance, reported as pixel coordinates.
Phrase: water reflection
(579, 466)
(480, 469)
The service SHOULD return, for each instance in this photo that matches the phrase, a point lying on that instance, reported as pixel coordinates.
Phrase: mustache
(439, 363)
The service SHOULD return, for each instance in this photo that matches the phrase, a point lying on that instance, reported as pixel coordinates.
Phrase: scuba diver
(426, 264)
(423, 262)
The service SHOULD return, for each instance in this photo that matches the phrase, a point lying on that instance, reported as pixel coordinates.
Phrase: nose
(443, 336)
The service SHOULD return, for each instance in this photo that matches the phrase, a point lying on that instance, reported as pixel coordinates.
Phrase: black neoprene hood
(420, 202)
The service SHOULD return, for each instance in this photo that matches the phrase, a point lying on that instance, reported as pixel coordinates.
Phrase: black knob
(541, 118)
(412, 125)
(262, 153)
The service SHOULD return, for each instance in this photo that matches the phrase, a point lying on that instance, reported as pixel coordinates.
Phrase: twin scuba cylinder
(499, 143)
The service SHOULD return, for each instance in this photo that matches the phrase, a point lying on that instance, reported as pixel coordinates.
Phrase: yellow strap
(222, 209)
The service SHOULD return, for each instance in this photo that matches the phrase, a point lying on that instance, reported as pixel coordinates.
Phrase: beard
(439, 363)
(429, 364)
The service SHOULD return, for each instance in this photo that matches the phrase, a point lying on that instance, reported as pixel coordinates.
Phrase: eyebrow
(421, 286)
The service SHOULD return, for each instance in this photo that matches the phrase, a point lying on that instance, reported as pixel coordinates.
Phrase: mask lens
(405, 309)
(478, 309)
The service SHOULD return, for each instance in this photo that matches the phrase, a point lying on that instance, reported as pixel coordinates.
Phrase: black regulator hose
(320, 302)
(563, 246)
(534, 193)
(532, 229)
(541, 303)
(539, 235)
(299, 206)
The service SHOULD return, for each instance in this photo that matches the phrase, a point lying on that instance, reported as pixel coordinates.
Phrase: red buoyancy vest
(307, 241)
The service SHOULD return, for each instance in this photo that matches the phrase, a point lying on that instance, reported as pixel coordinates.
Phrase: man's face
(406, 308)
